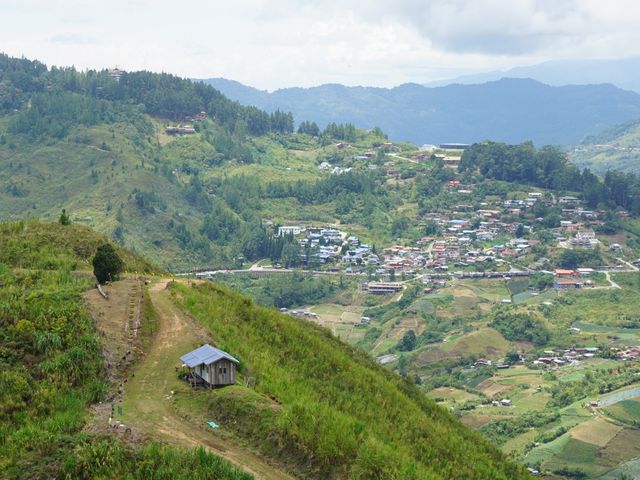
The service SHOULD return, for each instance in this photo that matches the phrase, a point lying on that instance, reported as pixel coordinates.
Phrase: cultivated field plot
(597, 431)
(492, 389)
(627, 411)
(470, 297)
(530, 399)
(453, 395)
(576, 449)
(340, 320)
(485, 342)
(609, 308)
(630, 468)
(478, 420)
(492, 290)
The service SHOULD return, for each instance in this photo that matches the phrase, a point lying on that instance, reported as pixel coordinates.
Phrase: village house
(565, 284)
(629, 354)
(584, 239)
(212, 366)
(116, 73)
(304, 314)
(559, 272)
(198, 117)
(569, 200)
(179, 130)
(289, 230)
(382, 288)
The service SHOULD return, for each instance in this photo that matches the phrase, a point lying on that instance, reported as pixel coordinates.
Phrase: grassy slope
(51, 368)
(337, 412)
(39, 245)
(617, 155)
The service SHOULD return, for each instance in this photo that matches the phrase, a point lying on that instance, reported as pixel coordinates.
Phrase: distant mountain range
(623, 73)
(509, 110)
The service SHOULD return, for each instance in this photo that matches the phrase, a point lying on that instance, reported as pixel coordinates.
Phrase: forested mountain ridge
(545, 168)
(509, 110)
(163, 95)
(621, 72)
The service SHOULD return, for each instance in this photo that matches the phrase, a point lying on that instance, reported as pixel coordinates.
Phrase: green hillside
(52, 369)
(330, 414)
(329, 406)
(32, 244)
(617, 148)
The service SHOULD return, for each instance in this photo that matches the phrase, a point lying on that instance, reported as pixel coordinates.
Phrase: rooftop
(206, 354)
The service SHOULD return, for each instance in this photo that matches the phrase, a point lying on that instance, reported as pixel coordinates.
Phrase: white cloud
(278, 43)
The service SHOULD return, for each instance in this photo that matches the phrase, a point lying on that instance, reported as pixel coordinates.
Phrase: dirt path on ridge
(148, 393)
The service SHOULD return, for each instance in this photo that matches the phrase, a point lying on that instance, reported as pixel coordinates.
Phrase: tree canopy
(107, 265)
(549, 167)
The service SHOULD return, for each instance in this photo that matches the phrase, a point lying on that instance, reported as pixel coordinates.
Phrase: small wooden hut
(214, 366)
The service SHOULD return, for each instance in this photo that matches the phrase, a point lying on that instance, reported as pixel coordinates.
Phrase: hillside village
(499, 238)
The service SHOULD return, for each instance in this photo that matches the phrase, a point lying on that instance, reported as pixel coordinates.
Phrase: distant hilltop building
(198, 117)
(116, 73)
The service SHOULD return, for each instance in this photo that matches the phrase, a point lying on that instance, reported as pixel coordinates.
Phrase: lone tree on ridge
(107, 265)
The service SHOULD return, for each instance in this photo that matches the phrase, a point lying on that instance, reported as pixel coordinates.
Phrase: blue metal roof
(206, 354)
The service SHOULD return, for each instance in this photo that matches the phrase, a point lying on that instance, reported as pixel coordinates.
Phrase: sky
(272, 44)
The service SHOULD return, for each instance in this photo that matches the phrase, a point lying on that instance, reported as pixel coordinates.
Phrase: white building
(289, 230)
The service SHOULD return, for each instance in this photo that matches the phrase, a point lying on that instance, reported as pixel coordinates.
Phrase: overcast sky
(279, 43)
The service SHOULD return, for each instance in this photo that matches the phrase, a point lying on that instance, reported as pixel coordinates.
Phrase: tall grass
(51, 369)
(49, 356)
(50, 246)
(107, 459)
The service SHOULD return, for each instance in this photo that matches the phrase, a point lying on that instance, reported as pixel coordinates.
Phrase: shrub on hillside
(107, 265)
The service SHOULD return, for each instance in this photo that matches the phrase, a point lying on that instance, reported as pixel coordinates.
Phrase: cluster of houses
(301, 314)
(198, 117)
(329, 244)
(572, 356)
(186, 128)
(179, 129)
(484, 240)
(564, 278)
(628, 354)
(401, 258)
(327, 167)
